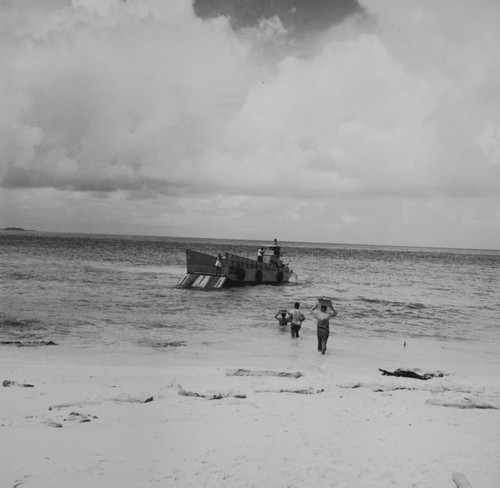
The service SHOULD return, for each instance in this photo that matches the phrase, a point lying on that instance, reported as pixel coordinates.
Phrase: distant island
(15, 228)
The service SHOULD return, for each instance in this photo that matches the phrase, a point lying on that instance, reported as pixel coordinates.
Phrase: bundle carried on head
(325, 302)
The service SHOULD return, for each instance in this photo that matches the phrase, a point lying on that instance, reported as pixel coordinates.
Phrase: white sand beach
(127, 420)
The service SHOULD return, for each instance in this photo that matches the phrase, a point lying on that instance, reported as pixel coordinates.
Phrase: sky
(349, 121)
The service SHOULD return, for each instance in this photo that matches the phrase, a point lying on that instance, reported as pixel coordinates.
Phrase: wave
(391, 331)
(388, 303)
(19, 275)
(30, 343)
(146, 269)
(9, 323)
(23, 332)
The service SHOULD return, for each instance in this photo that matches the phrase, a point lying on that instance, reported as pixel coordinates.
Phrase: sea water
(397, 306)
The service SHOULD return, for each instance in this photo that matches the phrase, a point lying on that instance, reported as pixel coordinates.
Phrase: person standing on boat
(323, 317)
(296, 317)
(276, 249)
(260, 254)
(218, 264)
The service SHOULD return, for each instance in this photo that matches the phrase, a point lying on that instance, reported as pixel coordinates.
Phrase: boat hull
(234, 271)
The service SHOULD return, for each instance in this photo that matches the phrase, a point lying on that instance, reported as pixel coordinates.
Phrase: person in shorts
(296, 319)
(323, 317)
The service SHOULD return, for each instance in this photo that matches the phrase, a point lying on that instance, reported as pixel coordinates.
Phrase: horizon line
(20, 229)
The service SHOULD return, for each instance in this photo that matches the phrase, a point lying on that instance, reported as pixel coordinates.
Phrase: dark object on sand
(15, 383)
(408, 373)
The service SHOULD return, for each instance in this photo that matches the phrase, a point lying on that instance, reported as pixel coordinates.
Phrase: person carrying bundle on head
(282, 317)
(323, 317)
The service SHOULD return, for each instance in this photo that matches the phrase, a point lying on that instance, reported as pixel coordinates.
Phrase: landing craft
(207, 271)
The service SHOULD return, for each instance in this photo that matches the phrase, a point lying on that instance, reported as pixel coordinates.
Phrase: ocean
(397, 306)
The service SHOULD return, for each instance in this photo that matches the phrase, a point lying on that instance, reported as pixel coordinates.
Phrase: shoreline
(98, 420)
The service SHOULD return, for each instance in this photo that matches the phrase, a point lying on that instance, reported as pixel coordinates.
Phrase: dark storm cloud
(298, 16)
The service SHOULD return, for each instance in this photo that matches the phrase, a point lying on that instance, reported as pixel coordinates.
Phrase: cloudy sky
(349, 121)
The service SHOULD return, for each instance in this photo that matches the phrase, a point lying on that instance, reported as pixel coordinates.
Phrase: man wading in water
(323, 317)
(296, 317)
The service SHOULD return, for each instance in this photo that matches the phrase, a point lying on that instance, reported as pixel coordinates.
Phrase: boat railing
(235, 262)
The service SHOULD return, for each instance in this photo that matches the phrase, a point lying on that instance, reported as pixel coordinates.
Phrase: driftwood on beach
(461, 481)
(468, 402)
(172, 344)
(122, 399)
(250, 372)
(408, 373)
(7, 383)
(301, 391)
(212, 395)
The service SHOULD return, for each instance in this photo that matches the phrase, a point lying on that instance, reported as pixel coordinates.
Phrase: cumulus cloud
(109, 95)
(229, 100)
